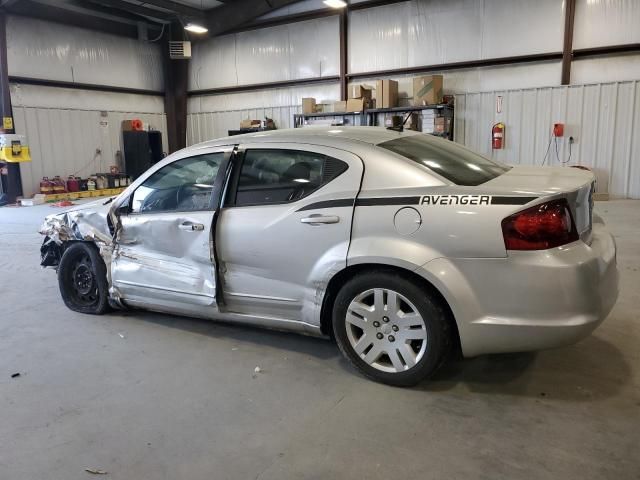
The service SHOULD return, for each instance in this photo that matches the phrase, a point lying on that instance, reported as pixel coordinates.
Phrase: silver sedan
(400, 246)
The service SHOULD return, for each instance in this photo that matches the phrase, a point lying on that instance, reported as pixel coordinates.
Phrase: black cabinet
(141, 149)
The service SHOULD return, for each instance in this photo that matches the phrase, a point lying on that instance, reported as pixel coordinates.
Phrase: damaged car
(399, 245)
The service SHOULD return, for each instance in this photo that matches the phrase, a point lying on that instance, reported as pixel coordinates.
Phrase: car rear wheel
(392, 330)
(82, 278)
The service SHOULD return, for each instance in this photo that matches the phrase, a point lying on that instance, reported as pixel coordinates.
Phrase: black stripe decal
(341, 202)
(511, 200)
(381, 201)
(368, 202)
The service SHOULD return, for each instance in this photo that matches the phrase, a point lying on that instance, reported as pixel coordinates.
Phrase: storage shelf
(369, 117)
(412, 108)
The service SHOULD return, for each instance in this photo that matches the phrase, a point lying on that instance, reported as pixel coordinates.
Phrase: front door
(285, 228)
(163, 259)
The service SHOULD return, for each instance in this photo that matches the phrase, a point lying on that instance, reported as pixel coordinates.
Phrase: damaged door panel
(163, 256)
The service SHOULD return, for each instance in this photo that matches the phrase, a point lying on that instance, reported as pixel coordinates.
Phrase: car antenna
(400, 128)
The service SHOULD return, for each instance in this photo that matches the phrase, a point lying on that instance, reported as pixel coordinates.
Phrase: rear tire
(391, 329)
(82, 278)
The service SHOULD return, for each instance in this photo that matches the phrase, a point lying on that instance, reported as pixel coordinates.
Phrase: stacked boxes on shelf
(436, 122)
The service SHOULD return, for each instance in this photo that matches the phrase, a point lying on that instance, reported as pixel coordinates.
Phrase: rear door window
(272, 176)
(448, 159)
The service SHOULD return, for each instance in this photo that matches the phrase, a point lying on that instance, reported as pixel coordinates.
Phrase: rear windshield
(448, 159)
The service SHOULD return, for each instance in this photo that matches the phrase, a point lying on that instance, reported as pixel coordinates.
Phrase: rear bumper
(530, 300)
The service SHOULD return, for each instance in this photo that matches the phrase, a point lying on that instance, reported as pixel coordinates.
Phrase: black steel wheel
(82, 278)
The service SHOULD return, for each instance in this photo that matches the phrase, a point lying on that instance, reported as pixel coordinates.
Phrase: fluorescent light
(195, 28)
(301, 180)
(335, 3)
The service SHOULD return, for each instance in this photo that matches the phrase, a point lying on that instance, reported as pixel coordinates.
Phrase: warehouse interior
(94, 92)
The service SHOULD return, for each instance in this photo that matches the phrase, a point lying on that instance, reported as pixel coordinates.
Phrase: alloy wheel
(386, 330)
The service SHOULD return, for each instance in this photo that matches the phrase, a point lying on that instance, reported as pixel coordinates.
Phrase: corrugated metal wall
(54, 51)
(65, 128)
(211, 116)
(603, 118)
(208, 125)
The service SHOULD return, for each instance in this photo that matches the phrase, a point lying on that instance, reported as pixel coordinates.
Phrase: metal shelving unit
(371, 116)
(348, 118)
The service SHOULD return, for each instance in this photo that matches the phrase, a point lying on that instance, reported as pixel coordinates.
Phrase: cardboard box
(442, 124)
(427, 90)
(355, 105)
(393, 120)
(427, 124)
(340, 106)
(248, 123)
(413, 123)
(360, 91)
(386, 94)
(308, 105)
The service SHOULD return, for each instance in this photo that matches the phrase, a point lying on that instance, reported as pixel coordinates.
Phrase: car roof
(318, 135)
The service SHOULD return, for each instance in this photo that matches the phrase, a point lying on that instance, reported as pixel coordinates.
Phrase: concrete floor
(149, 396)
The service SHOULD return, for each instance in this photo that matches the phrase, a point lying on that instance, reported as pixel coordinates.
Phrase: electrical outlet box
(558, 129)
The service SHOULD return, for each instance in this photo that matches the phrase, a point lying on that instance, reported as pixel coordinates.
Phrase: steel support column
(10, 181)
(344, 38)
(567, 48)
(176, 74)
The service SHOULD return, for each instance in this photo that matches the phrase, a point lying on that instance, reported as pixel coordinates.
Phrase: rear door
(285, 228)
(164, 256)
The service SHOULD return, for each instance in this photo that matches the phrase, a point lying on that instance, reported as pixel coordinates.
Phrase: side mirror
(123, 207)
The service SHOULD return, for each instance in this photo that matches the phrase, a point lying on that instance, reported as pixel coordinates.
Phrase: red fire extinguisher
(497, 136)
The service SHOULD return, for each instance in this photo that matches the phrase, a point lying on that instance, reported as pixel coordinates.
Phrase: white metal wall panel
(605, 69)
(603, 118)
(262, 98)
(299, 50)
(479, 79)
(211, 116)
(70, 54)
(210, 125)
(213, 63)
(600, 23)
(64, 139)
(431, 32)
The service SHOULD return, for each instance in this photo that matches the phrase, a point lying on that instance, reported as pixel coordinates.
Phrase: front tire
(390, 329)
(82, 278)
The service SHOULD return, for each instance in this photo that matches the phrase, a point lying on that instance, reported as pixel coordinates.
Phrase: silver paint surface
(275, 269)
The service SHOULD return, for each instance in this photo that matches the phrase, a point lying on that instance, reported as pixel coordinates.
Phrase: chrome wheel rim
(386, 330)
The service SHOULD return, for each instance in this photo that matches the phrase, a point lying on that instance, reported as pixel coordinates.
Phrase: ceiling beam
(116, 25)
(126, 7)
(240, 12)
(176, 7)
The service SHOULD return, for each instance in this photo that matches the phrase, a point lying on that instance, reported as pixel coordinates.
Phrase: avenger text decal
(456, 200)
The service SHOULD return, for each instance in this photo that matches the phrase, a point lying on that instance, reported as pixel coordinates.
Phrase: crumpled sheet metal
(83, 225)
(77, 225)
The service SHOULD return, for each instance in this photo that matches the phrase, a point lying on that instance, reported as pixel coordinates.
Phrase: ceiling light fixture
(195, 28)
(335, 3)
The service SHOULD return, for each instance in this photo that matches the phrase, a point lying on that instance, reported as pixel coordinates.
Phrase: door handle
(318, 219)
(191, 227)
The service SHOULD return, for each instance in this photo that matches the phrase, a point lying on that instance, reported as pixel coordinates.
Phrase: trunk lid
(574, 184)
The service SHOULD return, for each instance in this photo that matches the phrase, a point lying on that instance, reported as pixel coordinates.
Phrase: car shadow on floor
(286, 341)
(591, 370)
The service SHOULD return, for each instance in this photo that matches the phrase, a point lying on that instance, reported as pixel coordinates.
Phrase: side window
(281, 176)
(182, 186)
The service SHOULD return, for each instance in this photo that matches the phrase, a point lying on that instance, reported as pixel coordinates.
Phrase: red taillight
(544, 226)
